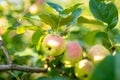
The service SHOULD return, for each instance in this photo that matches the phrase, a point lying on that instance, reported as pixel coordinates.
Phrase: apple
(37, 7)
(72, 54)
(97, 53)
(34, 9)
(83, 69)
(3, 25)
(53, 45)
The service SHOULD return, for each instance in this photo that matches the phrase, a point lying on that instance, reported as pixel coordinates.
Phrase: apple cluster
(71, 53)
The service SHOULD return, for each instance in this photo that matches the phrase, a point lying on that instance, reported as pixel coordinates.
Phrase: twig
(11, 66)
(22, 68)
(5, 51)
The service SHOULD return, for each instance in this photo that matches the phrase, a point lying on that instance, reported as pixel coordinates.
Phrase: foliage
(88, 24)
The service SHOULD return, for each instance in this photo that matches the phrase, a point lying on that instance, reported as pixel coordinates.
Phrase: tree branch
(11, 66)
(5, 51)
(21, 68)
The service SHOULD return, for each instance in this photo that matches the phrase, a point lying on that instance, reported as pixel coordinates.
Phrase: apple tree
(59, 40)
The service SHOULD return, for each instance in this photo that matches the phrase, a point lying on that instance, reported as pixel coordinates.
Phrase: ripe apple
(98, 52)
(72, 54)
(53, 45)
(83, 69)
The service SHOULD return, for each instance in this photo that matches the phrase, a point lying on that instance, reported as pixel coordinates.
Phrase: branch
(11, 66)
(21, 68)
(5, 51)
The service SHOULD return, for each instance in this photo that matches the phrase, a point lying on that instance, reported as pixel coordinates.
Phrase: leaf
(106, 12)
(50, 19)
(60, 78)
(71, 9)
(39, 43)
(90, 38)
(88, 20)
(76, 13)
(102, 37)
(44, 78)
(22, 29)
(105, 69)
(108, 69)
(57, 7)
(29, 17)
(64, 21)
(117, 39)
(36, 36)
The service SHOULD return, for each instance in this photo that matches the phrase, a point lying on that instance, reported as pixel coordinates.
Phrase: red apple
(72, 54)
(98, 52)
(53, 45)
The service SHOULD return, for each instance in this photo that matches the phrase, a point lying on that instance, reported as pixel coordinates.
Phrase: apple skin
(72, 54)
(53, 45)
(97, 53)
(83, 69)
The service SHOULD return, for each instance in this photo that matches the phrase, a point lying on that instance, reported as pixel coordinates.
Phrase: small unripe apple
(53, 45)
(83, 69)
(98, 52)
(72, 54)
(34, 9)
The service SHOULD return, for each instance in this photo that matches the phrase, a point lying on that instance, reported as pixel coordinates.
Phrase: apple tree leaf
(57, 7)
(108, 69)
(76, 13)
(104, 11)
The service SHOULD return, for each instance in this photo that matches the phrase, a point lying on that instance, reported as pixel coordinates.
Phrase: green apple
(83, 69)
(72, 54)
(53, 45)
(97, 53)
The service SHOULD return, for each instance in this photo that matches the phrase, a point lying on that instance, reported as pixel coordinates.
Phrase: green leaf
(44, 78)
(60, 78)
(29, 17)
(57, 7)
(88, 20)
(102, 37)
(105, 69)
(76, 13)
(71, 9)
(64, 21)
(108, 69)
(117, 39)
(50, 19)
(90, 38)
(36, 36)
(39, 43)
(104, 11)
(22, 29)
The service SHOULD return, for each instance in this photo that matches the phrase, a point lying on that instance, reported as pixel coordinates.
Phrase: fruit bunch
(71, 53)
